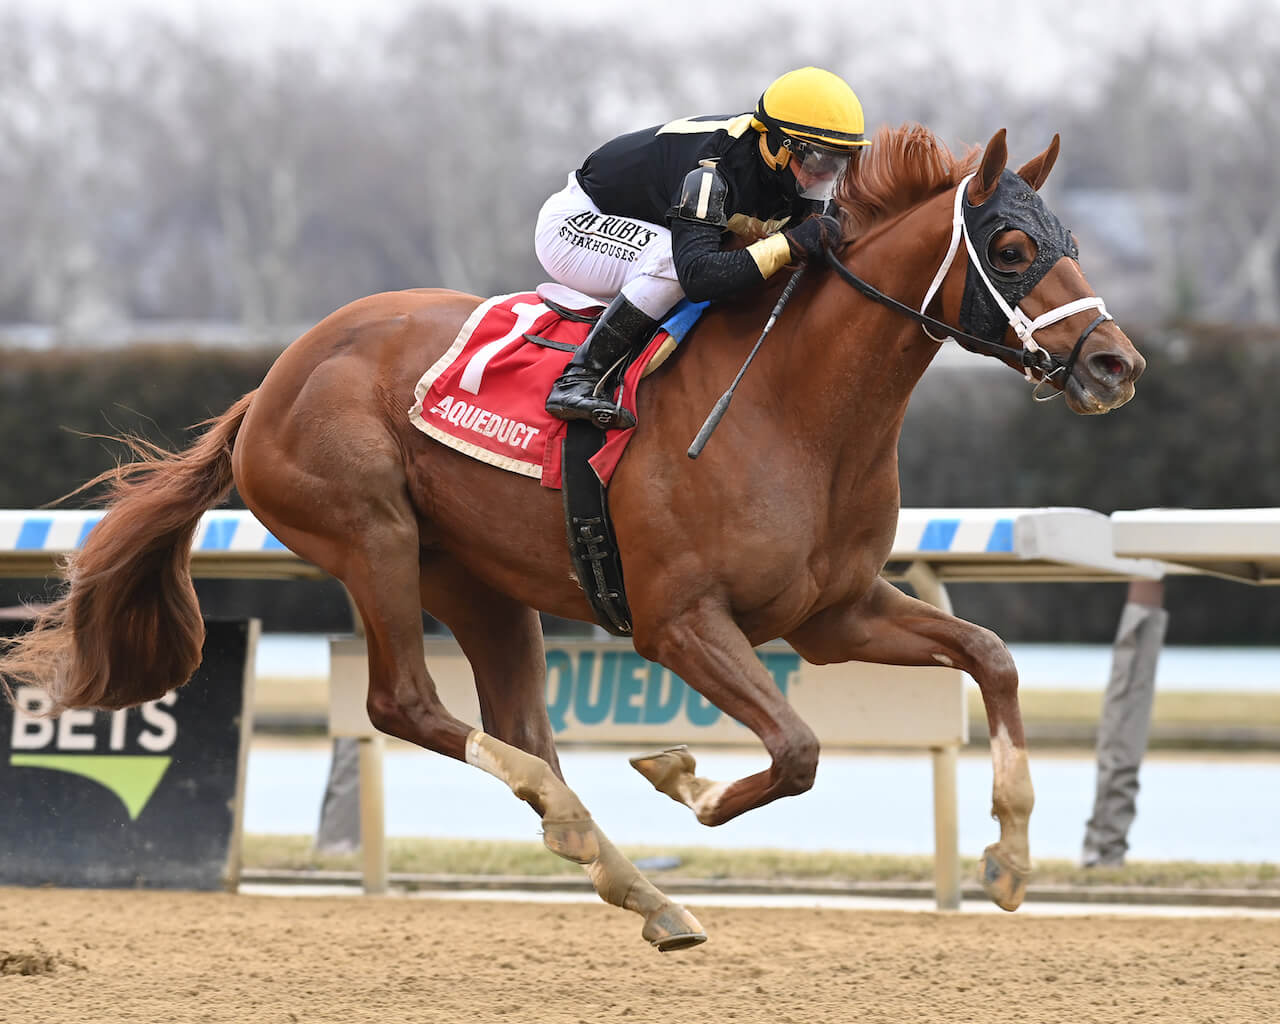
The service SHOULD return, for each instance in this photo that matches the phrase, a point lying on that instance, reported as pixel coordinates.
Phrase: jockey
(643, 219)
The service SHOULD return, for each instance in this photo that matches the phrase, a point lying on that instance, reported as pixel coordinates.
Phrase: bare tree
(161, 172)
(1203, 124)
(57, 173)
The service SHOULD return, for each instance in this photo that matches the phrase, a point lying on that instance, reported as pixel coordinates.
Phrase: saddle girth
(590, 529)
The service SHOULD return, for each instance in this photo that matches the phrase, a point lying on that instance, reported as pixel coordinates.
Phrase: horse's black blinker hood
(1014, 205)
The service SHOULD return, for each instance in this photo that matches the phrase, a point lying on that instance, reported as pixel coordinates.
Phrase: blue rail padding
(939, 534)
(33, 533)
(1001, 538)
(218, 535)
(68, 531)
(87, 529)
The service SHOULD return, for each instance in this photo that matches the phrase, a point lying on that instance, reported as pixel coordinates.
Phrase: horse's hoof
(1004, 883)
(671, 927)
(572, 840)
(666, 767)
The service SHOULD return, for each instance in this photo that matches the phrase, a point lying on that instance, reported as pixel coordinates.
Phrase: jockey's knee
(653, 294)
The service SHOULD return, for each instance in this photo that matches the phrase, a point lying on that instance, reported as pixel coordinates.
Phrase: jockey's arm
(706, 271)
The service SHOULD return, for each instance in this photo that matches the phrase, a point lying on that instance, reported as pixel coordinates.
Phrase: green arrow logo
(132, 779)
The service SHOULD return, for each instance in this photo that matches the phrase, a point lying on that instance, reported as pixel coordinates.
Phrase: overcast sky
(1033, 38)
(1029, 47)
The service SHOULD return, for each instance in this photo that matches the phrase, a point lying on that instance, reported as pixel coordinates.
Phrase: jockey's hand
(812, 236)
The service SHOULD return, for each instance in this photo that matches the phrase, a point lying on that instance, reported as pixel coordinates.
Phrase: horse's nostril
(1109, 368)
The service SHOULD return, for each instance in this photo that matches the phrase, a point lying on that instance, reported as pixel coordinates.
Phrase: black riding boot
(621, 328)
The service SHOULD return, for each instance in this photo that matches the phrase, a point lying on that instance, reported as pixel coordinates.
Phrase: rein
(1030, 355)
(971, 342)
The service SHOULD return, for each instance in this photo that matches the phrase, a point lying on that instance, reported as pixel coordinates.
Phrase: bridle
(1053, 369)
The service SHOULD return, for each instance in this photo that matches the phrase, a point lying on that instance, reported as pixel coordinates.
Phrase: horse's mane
(902, 167)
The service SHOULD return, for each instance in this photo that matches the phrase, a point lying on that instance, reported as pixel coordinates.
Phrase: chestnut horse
(780, 529)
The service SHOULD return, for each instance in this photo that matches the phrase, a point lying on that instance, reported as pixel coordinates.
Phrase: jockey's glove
(812, 236)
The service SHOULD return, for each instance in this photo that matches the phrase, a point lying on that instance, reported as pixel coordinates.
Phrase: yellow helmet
(807, 106)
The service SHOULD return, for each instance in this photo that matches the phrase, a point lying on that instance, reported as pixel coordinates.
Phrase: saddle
(485, 397)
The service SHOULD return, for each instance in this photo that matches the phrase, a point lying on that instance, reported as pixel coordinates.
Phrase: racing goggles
(817, 170)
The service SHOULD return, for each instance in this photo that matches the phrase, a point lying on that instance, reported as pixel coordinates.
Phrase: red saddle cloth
(486, 395)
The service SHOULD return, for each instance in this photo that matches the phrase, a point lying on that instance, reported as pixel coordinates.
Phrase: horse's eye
(1009, 252)
(1006, 260)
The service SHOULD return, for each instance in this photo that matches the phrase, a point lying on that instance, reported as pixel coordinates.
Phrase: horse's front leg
(705, 648)
(887, 627)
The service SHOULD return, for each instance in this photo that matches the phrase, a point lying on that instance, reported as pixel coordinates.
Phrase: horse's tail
(127, 627)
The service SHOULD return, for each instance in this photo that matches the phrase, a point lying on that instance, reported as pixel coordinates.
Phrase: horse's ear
(1034, 171)
(994, 157)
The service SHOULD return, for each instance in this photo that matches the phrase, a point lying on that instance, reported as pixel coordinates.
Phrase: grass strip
(486, 857)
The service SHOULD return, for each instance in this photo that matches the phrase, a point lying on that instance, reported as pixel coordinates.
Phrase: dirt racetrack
(81, 956)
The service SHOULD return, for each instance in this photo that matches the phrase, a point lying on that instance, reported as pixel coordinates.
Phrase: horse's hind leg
(346, 509)
(383, 580)
(889, 628)
(502, 640)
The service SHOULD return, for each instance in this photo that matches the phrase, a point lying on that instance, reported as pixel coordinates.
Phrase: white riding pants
(603, 255)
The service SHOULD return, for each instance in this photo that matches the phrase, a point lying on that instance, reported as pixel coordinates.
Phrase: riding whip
(722, 406)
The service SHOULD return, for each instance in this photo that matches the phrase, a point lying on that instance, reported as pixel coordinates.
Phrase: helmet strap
(777, 158)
